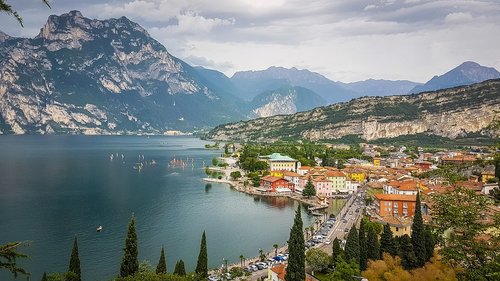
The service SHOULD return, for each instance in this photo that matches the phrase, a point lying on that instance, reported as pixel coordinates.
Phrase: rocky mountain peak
(3, 36)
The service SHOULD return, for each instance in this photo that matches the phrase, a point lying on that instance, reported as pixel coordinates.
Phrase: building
(351, 186)
(323, 186)
(423, 165)
(292, 177)
(278, 162)
(395, 205)
(338, 180)
(356, 175)
(275, 184)
(399, 226)
(401, 187)
(278, 273)
(486, 175)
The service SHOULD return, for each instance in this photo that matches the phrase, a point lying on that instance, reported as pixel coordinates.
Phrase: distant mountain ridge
(380, 87)
(449, 113)
(465, 74)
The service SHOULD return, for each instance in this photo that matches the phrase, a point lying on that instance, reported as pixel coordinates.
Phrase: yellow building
(355, 175)
(486, 175)
(399, 225)
(376, 162)
(278, 174)
(278, 162)
(338, 180)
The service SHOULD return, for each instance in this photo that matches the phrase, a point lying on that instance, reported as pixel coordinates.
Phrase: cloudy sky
(345, 40)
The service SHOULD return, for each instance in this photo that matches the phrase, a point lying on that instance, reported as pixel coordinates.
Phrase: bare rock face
(89, 76)
(450, 113)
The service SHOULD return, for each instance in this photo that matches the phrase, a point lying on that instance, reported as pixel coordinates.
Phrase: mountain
(372, 87)
(287, 100)
(89, 76)
(449, 113)
(252, 83)
(465, 74)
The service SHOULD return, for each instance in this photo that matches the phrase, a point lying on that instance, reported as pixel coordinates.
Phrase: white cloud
(459, 17)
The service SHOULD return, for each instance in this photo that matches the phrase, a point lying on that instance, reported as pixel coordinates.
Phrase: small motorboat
(99, 229)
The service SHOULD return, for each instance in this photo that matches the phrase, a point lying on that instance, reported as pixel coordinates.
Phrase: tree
(417, 234)
(317, 259)
(9, 256)
(7, 8)
(309, 189)
(352, 245)
(373, 245)
(387, 244)
(275, 246)
(429, 243)
(235, 175)
(345, 271)
(461, 214)
(406, 253)
(363, 255)
(387, 269)
(262, 257)
(179, 268)
(161, 268)
(44, 277)
(202, 264)
(74, 262)
(130, 263)
(296, 261)
(337, 251)
(242, 258)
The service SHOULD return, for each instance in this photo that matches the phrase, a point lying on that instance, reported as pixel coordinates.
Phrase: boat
(99, 229)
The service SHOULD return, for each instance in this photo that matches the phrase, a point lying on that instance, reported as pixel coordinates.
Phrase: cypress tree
(429, 244)
(406, 253)
(373, 246)
(352, 245)
(202, 265)
(296, 270)
(74, 262)
(179, 268)
(336, 250)
(161, 268)
(44, 277)
(363, 255)
(417, 234)
(130, 263)
(387, 244)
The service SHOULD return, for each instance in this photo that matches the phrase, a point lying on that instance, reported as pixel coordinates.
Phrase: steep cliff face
(449, 113)
(90, 76)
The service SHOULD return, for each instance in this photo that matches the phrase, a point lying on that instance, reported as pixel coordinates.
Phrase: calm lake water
(53, 188)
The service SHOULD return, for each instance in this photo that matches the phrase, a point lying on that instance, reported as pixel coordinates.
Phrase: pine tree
(363, 255)
(202, 265)
(179, 268)
(429, 244)
(296, 270)
(418, 235)
(130, 263)
(44, 277)
(336, 250)
(309, 189)
(74, 262)
(161, 268)
(352, 245)
(387, 244)
(373, 246)
(406, 253)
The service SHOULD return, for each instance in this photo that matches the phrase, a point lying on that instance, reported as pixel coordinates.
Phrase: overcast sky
(345, 40)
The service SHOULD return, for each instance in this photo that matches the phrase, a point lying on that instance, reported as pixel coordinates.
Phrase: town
(379, 186)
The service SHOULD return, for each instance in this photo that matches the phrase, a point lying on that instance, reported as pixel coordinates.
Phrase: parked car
(278, 258)
(213, 278)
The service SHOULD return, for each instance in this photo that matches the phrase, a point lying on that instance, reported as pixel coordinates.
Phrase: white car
(213, 278)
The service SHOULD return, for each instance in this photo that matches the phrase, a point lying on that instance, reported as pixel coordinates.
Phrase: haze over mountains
(88, 76)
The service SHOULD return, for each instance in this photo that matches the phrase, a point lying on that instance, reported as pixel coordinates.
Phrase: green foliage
(406, 253)
(44, 277)
(74, 262)
(235, 175)
(363, 245)
(296, 261)
(162, 264)
(317, 259)
(429, 243)
(387, 244)
(202, 264)
(180, 268)
(352, 245)
(130, 263)
(66, 276)
(345, 271)
(337, 251)
(215, 161)
(153, 276)
(449, 172)
(9, 256)
(309, 189)
(418, 236)
(460, 214)
(237, 271)
(373, 245)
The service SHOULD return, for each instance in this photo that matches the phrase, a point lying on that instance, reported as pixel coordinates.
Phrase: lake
(53, 188)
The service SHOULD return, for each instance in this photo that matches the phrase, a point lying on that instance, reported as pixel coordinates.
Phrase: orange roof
(305, 168)
(270, 178)
(396, 221)
(280, 270)
(408, 185)
(290, 174)
(396, 197)
(334, 174)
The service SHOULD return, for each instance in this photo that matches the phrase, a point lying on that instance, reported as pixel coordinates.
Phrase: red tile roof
(396, 197)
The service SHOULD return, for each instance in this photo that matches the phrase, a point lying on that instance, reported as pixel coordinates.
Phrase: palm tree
(261, 255)
(241, 260)
(275, 246)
